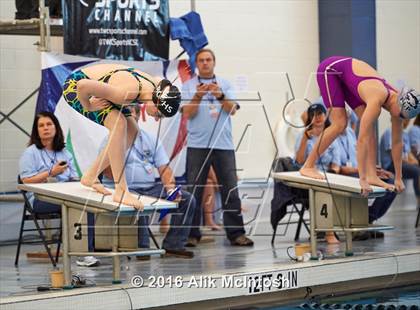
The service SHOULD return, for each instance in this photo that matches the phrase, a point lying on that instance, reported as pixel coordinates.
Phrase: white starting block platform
(335, 204)
(115, 224)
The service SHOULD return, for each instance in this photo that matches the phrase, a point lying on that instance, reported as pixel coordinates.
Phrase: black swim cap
(167, 98)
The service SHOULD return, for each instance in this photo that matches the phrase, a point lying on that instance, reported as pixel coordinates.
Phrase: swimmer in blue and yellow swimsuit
(70, 95)
(102, 93)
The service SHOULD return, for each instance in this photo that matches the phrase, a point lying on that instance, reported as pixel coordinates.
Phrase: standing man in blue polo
(208, 104)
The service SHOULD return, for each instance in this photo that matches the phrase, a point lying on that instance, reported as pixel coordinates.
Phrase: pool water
(403, 298)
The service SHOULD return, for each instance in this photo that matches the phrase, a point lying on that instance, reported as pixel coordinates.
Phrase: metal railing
(44, 28)
(28, 26)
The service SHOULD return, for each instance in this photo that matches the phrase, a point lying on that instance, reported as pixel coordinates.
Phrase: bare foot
(214, 226)
(311, 173)
(127, 198)
(101, 189)
(378, 182)
(331, 239)
(365, 188)
(94, 184)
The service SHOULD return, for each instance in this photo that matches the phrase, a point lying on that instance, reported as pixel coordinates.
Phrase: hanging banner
(117, 29)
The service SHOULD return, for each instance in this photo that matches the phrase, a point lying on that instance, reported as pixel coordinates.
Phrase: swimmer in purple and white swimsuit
(366, 93)
(338, 84)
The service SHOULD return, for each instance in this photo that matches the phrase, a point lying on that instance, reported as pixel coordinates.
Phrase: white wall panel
(398, 44)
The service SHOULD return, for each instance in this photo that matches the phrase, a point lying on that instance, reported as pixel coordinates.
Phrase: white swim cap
(409, 101)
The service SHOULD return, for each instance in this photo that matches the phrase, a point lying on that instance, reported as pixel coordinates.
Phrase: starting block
(335, 204)
(75, 201)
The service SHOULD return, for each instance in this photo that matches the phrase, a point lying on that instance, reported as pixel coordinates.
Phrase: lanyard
(143, 155)
(51, 159)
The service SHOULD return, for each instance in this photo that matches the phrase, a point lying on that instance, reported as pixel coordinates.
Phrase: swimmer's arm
(87, 88)
(397, 146)
(367, 122)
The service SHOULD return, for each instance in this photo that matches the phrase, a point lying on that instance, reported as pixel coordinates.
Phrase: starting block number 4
(331, 212)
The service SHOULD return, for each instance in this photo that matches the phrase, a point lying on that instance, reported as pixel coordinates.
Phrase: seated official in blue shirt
(142, 160)
(347, 142)
(410, 165)
(47, 160)
(316, 122)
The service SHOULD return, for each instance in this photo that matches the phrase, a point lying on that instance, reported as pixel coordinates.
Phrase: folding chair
(285, 196)
(30, 215)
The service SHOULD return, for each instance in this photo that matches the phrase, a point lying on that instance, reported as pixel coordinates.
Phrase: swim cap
(166, 97)
(409, 101)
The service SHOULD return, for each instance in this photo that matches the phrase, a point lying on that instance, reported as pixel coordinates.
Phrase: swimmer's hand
(399, 186)
(97, 104)
(365, 188)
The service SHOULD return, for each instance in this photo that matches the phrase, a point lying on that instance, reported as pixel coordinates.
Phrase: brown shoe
(242, 241)
(143, 257)
(192, 242)
(207, 239)
(179, 253)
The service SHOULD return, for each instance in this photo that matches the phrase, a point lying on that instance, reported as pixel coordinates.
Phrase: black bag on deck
(284, 195)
